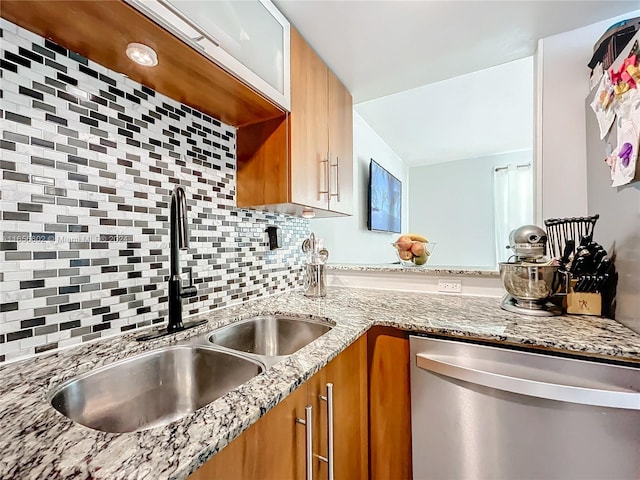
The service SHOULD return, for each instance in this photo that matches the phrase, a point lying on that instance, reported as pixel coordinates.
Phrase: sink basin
(152, 389)
(269, 335)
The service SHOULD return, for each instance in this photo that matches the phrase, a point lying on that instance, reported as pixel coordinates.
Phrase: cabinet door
(309, 142)
(249, 38)
(271, 449)
(389, 404)
(348, 375)
(340, 146)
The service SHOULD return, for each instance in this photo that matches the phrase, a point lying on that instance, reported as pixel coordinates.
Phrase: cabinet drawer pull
(308, 440)
(329, 399)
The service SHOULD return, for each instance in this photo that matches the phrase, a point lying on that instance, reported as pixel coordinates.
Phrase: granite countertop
(426, 270)
(37, 442)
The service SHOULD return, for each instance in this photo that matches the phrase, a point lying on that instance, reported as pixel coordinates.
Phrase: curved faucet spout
(179, 240)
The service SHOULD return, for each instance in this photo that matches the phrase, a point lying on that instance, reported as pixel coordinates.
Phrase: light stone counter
(39, 443)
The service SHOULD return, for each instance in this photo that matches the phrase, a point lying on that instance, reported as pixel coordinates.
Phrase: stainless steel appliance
(530, 280)
(488, 413)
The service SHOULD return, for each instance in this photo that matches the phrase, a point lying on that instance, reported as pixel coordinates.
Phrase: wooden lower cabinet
(347, 374)
(389, 404)
(271, 449)
(274, 447)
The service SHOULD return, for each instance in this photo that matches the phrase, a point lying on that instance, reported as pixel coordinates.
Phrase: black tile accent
(31, 284)
(30, 55)
(8, 246)
(55, 119)
(55, 47)
(89, 71)
(19, 335)
(69, 325)
(8, 307)
(34, 322)
(66, 96)
(89, 121)
(12, 57)
(67, 79)
(69, 307)
(108, 80)
(31, 93)
(5, 65)
(47, 347)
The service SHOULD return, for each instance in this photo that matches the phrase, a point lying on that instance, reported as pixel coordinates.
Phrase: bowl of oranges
(413, 250)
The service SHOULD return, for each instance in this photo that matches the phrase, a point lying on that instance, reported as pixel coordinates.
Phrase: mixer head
(529, 243)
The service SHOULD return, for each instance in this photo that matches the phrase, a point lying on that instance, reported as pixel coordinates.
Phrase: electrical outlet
(450, 286)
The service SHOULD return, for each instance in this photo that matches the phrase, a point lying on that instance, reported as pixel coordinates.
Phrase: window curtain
(513, 203)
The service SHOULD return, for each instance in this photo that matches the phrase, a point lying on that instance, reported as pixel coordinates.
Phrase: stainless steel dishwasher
(488, 413)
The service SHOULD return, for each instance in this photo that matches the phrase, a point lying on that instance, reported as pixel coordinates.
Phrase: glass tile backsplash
(89, 159)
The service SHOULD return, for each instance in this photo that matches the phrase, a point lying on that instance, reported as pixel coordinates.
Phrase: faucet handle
(190, 290)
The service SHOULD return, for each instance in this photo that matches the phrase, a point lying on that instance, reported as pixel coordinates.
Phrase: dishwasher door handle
(444, 365)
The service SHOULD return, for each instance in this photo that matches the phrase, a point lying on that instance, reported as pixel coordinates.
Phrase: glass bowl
(408, 258)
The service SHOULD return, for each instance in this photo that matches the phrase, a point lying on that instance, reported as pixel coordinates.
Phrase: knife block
(583, 303)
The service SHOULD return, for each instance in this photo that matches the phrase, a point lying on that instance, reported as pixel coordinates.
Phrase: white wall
(562, 86)
(347, 238)
(452, 204)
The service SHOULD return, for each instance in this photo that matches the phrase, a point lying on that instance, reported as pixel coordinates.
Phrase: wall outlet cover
(450, 286)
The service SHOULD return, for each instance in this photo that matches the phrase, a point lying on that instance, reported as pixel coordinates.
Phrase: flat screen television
(385, 200)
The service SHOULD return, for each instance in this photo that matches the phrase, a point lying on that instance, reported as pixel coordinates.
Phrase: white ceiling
(427, 51)
(473, 115)
(382, 47)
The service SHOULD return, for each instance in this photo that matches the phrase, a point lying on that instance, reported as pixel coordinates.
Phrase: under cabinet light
(308, 212)
(142, 54)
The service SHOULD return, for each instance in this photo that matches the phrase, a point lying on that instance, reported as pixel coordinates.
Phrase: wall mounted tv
(385, 200)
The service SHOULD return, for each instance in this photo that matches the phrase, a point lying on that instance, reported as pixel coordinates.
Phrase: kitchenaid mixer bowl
(532, 285)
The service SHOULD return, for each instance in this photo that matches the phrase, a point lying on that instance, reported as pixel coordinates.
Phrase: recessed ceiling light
(308, 212)
(142, 54)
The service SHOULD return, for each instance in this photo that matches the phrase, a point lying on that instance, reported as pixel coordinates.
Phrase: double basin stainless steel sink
(166, 384)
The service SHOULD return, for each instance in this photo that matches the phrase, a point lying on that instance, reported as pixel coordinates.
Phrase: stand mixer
(530, 280)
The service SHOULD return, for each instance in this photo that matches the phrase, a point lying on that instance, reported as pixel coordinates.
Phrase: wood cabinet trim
(182, 73)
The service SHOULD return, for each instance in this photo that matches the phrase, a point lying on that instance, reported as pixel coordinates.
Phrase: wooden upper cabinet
(317, 136)
(309, 141)
(340, 146)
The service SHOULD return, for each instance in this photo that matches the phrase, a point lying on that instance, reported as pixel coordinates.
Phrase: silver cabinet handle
(308, 440)
(327, 176)
(189, 22)
(337, 166)
(329, 399)
(444, 365)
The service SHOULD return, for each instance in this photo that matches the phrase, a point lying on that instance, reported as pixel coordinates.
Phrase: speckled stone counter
(426, 270)
(37, 442)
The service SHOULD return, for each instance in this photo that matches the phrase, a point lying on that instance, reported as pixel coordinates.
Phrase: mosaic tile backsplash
(89, 161)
